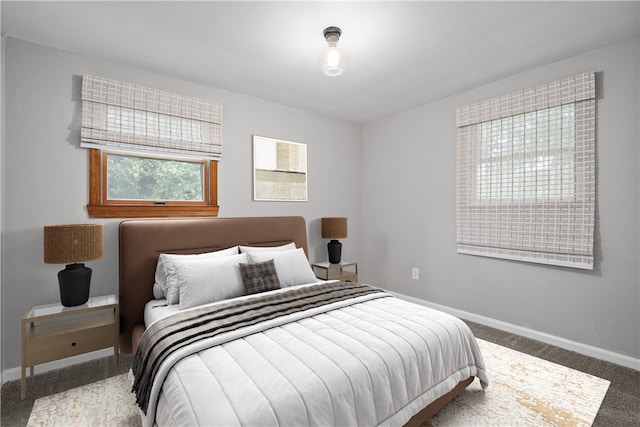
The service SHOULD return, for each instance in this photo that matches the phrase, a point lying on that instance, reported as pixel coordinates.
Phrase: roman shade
(134, 117)
(526, 164)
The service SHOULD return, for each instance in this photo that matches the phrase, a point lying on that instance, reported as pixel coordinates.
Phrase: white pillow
(287, 247)
(292, 266)
(159, 286)
(206, 280)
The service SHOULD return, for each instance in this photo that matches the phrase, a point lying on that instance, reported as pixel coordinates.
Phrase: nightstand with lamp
(335, 228)
(78, 324)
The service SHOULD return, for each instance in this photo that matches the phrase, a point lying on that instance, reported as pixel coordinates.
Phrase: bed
(316, 353)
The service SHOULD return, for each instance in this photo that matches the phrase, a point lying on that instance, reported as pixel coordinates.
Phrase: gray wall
(45, 172)
(409, 162)
(1, 175)
(394, 178)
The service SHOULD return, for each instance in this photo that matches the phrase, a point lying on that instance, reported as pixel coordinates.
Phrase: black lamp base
(74, 282)
(335, 251)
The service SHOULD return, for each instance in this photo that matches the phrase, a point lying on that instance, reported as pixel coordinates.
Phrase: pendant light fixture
(332, 59)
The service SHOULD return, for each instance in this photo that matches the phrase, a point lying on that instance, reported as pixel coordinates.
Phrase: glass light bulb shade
(332, 60)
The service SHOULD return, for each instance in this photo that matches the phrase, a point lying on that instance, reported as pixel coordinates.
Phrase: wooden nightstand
(345, 271)
(52, 332)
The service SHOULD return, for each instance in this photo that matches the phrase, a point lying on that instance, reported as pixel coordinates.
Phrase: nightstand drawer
(53, 347)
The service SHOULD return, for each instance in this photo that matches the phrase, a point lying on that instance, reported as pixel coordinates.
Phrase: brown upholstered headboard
(141, 241)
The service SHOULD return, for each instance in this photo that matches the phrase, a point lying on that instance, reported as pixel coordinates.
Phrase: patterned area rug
(524, 391)
(104, 403)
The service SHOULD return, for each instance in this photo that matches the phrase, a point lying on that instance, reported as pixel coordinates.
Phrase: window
(124, 185)
(153, 153)
(526, 174)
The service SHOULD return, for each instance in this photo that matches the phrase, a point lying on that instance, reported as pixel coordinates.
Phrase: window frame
(100, 207)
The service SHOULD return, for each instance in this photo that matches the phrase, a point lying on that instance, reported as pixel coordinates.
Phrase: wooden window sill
(115, 211)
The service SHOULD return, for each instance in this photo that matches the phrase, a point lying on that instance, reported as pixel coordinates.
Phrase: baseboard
(12, 374)
(587, 350)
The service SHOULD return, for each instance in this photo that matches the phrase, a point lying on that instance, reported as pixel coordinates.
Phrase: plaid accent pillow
(259, 276)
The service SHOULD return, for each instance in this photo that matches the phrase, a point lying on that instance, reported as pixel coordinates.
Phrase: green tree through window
(143, 178)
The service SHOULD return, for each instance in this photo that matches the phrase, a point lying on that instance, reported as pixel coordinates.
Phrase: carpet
(524, 391)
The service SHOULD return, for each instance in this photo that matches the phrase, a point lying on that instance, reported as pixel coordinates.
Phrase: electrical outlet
(415, 273)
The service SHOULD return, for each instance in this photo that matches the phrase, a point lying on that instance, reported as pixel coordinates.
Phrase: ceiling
(400, 54)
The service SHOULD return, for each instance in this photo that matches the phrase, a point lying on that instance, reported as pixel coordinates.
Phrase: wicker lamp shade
(72, 245)
(66, 244)
(334, 228)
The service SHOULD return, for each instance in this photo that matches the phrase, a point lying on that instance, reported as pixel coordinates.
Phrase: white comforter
(373, 360)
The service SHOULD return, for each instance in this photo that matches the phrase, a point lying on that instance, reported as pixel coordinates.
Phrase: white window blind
(526, 163)
(117, 114)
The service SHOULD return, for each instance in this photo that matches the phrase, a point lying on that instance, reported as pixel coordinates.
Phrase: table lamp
(334, 228)
(72, 245)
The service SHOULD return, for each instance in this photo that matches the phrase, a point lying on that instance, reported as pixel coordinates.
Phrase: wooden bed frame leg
(423, 416)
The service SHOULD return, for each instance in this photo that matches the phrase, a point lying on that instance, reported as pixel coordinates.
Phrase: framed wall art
(279, 170)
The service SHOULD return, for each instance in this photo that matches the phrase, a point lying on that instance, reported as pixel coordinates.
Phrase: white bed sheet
(157, 309)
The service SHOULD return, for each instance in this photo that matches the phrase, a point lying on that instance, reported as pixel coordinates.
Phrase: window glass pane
(143, 178)
(527, 157)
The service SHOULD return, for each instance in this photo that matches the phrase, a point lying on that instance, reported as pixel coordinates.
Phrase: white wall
(409, 163)
(46, 172)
